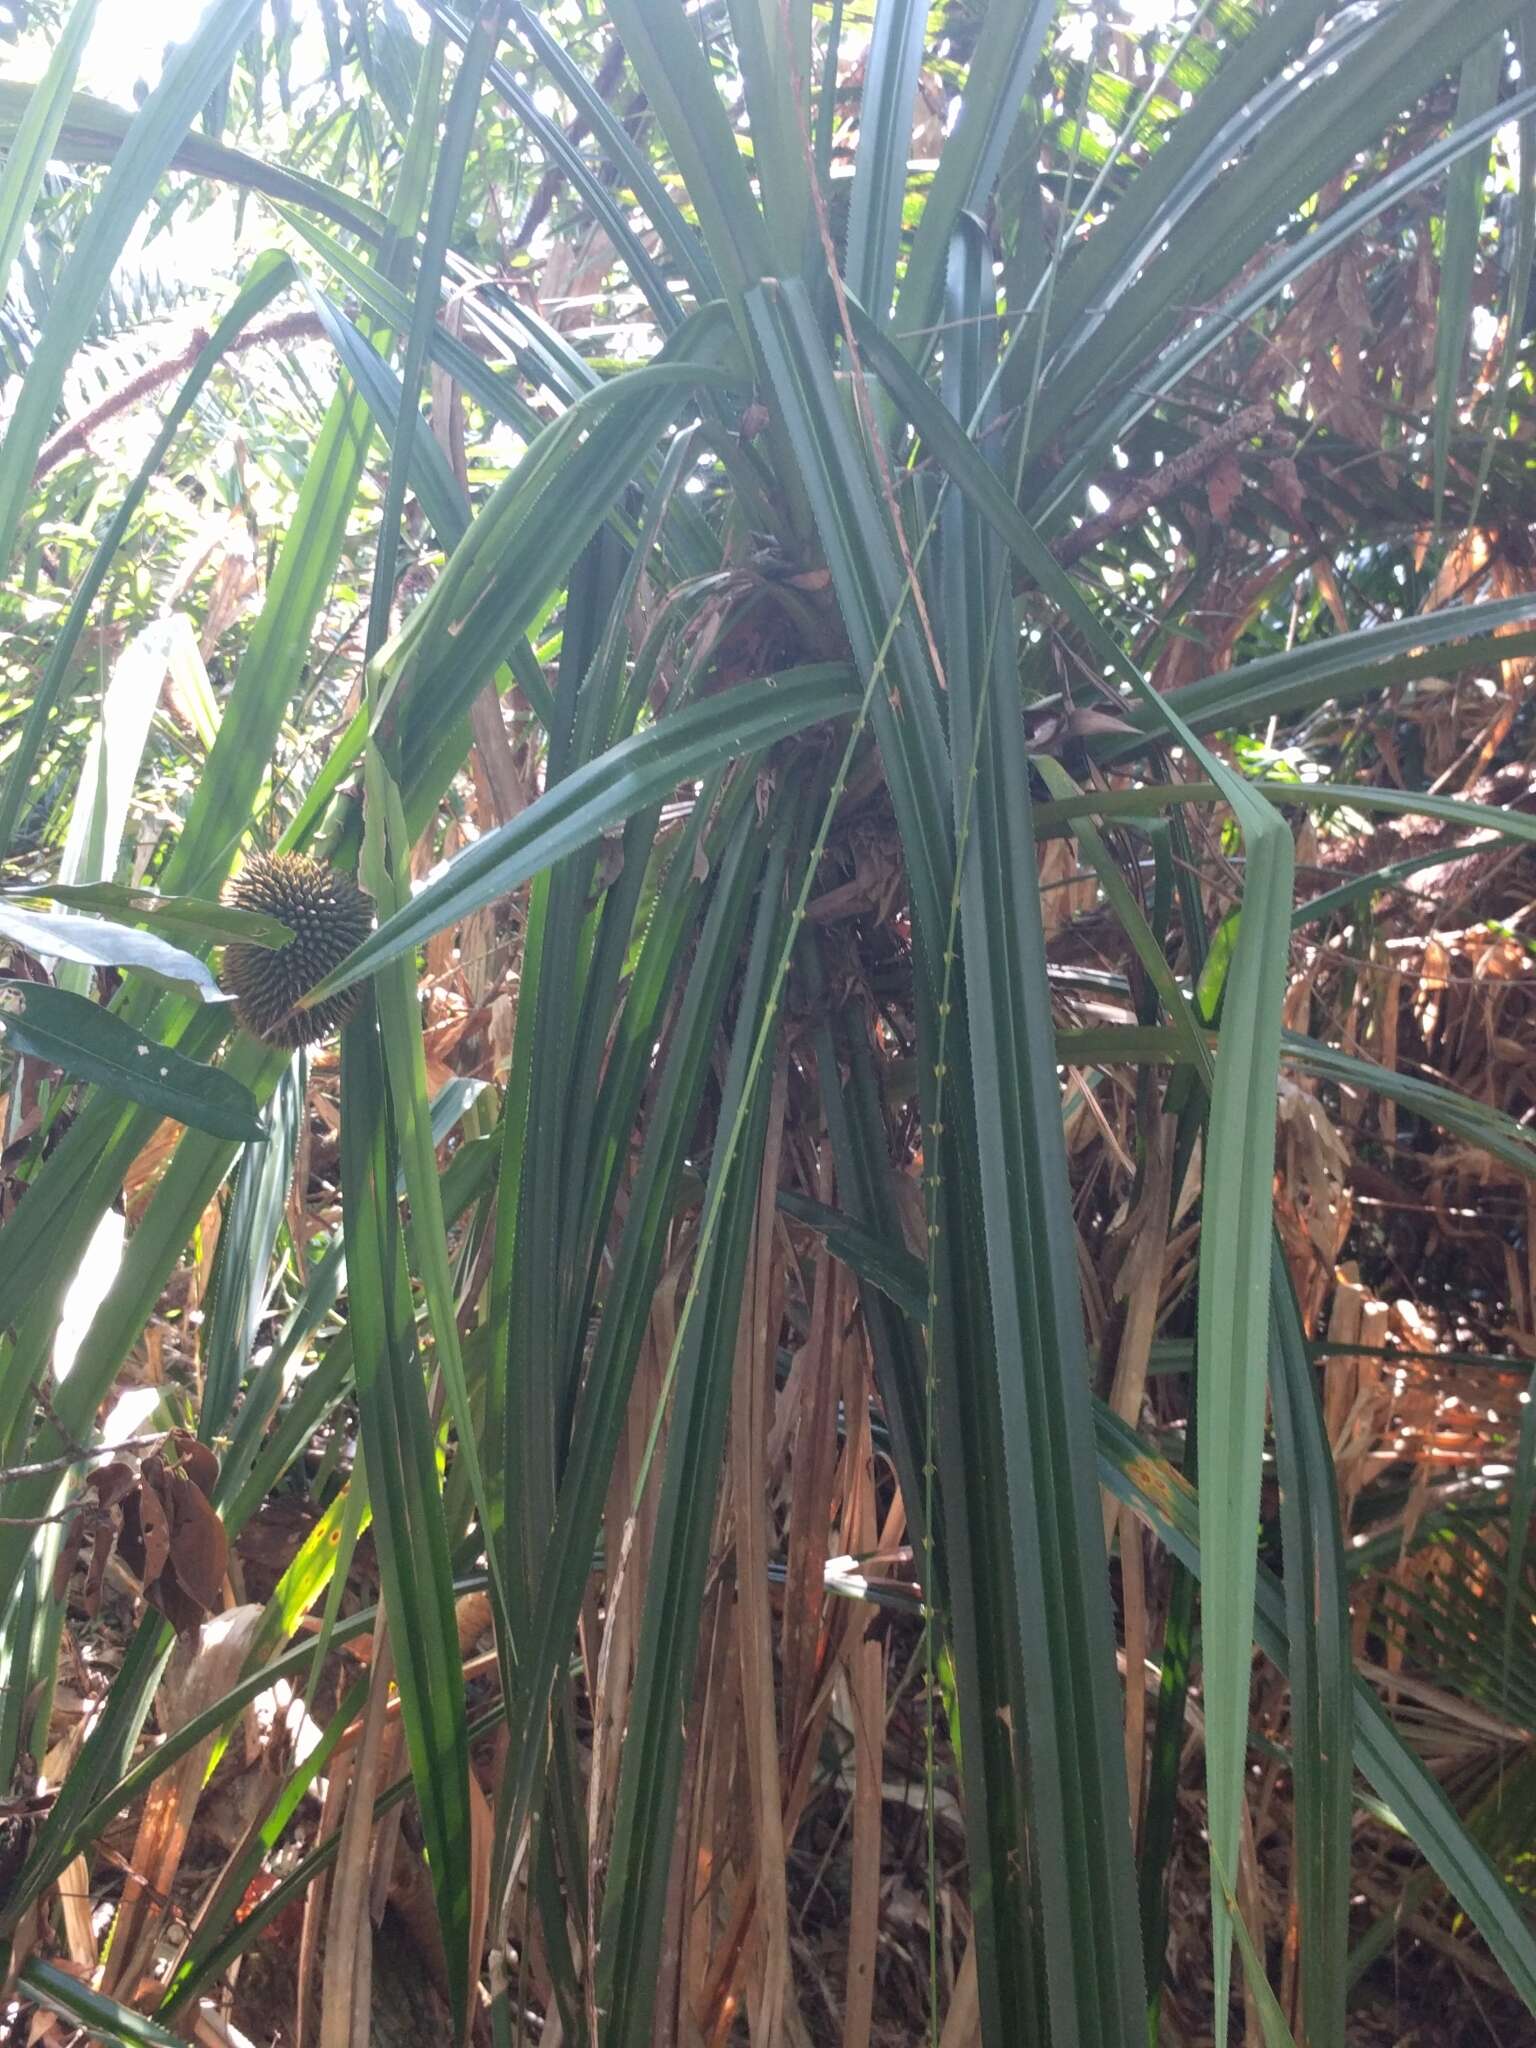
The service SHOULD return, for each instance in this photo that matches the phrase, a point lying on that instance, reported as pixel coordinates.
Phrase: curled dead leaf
(199, 1547)
(166, 1529)
(112, 1482)
(145, 1541)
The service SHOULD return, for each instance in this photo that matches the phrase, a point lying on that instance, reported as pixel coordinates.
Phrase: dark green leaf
(91, 1044)
(200, 920)
(636, 772)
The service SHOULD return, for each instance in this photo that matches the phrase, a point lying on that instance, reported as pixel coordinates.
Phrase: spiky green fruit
(328, 915)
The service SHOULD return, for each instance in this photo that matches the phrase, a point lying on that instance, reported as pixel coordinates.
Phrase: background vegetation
(882, 1391)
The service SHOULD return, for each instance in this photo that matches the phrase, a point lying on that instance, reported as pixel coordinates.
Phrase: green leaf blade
(89, 1043)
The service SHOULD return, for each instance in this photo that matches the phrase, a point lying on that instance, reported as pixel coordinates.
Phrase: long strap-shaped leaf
(398, 1442)
(269, 275)
(1253, 74)
(386, 857)
(516, 552)
(630, 158)
(561, 152)
(1302, 135)
(902, 700)
(110, 1745)
(1462, 232)
(1002, 64)
(885, 143)
(42, 1245)
(499, 391)
(1342, 666)
(31, 146)
(1491, 1130)
(1316, 1587)
(104, 2018)
(224, 797)
(95, 130)
(1190, 343)
(773, 49)
(244, 1255)
(190, 75)
(1170, 1507)
(1317, 1624)
(887, 647)
(201, 1164)
(626, 1308)
(1329, 796)
(722, 1313)
(602, 792)
(1235, 1229)
(961, 1525)
(677, 79)
(543, 1361)
(1082, 1845)
(904, 706)
(88, 1043)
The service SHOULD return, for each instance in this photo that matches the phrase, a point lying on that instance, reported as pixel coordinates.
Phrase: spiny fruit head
(328, 915)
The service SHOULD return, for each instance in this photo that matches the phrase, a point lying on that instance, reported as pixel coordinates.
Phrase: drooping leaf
(98, 942)
(103, 2018)
(199, 920)
(88, 1043)
(635, 772)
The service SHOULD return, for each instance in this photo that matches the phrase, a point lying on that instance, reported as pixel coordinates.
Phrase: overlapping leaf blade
(189, 77)
(398, 1441)
(89, 1043)
(1077, 1782)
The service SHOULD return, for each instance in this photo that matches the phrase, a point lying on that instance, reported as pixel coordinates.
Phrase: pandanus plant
(809, 596)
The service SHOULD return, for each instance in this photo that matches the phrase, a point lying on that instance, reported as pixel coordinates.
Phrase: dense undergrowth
(865, 1374)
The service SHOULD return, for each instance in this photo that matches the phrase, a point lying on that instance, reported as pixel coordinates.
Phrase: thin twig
(76, 1457)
